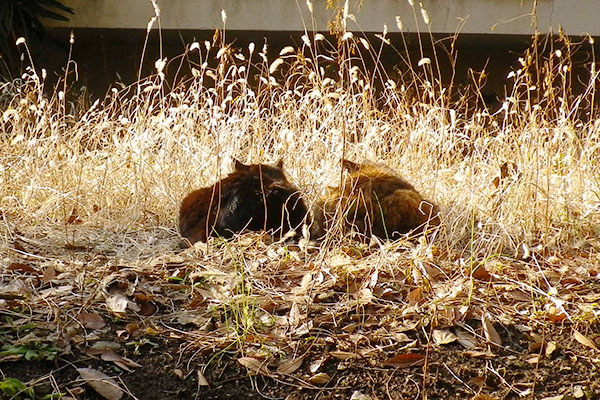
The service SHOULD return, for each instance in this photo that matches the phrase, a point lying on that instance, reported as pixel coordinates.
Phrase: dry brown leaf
(479, 354)
(465, 339)
(104, 385)
(315, 365)
(555, 314)
(534, 359)
(117, 303)
(443, 336)
(343, 355)
(91, 320)
(550, 348)
(430, 270)
(290, 366)
(103, 345)
(122, 362)
(415, 295)
(49, 274)
(491, 334)
(357, 395)
(254, 365)
(537, 341)
(201, 378)
(364, 296)
(74, 218)
(20, 267)
(178, 373)
(482, 274)
(405, 360)
(319, 379)
(584, 340)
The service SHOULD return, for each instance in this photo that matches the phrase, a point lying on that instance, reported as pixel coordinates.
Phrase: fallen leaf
(319, 379)
(117, 303)
(91, 320)
(415, 295)
(360, 396)
(490, 332)
(315, 365)
(343, 355)
(201, 379)
(443, 336)
(254, 365)
(465, 339)
(74, 218)
(405, 360)
(480, 273)
(103, 345)
(104, 385)
(49, 274)
(578, 392)
(20, 267)
(364, 296)
(555, 314)
(550, 348)
(584, 340)
(18, 246)
(56, 291)
(479, 354)
(559, 397)
(534, 359)
(537, 341)
(290, 366)
(178, 373)
(120, 361)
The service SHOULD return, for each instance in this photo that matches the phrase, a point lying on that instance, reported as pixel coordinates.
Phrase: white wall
(577, 17)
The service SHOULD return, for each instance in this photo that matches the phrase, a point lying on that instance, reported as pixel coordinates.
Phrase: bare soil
(449, 373)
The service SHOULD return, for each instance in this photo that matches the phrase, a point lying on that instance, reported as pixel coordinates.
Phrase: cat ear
(279, 164)
(350, 166)
(239, 166)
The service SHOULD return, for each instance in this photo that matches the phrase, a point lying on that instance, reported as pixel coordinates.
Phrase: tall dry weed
(124, 163)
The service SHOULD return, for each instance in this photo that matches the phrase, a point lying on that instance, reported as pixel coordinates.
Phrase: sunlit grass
(128, 160)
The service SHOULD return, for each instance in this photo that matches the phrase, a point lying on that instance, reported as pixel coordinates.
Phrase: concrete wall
(514, 17)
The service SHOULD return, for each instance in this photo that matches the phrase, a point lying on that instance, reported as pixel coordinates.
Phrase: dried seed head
(286, 50)
(424, 61)
(275, 64)
(398, 22)
(424, 14)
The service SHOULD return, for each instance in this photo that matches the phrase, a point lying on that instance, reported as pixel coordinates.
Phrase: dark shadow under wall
(106, 56)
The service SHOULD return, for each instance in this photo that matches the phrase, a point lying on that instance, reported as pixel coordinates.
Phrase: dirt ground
(62, 319)
(449, 373)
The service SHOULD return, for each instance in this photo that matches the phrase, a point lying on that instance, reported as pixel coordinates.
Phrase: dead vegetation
(499, 302)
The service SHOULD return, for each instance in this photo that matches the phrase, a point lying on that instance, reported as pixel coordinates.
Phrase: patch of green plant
(14, 389)
(19, 329)
(30, 351)
(138, 344)
(175, 279)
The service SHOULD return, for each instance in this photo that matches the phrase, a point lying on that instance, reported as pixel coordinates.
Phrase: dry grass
(110, 178)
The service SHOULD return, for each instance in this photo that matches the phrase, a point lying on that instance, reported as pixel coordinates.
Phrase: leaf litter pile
(98, 301)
